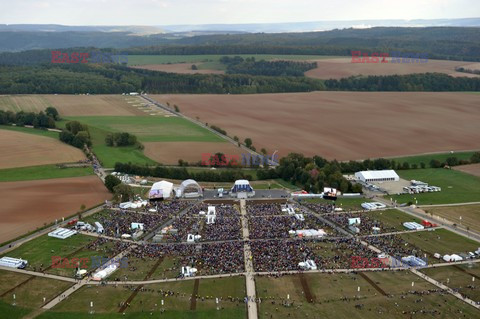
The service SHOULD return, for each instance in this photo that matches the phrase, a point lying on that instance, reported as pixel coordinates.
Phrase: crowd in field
(284, 255)
(264, 209)
(119, 222)
(262, 227)
(209, 259)
(394, 245)
(366, 226)
(320, 208)
(223, 210)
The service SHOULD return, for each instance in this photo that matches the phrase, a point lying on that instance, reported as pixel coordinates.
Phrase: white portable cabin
(211, 211)
(63, 233)
(300, 217)
(308, 265)
(99, 227)
(188, 271)
(211, 219)
(413, 226)
(13, 262)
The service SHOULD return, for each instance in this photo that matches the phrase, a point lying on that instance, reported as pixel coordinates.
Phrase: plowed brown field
(28, 205)
(343, 125)
(473, 169)
(22, 149)
(343, 67)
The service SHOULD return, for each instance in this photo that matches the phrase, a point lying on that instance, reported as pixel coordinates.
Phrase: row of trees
(432, 82)
(182, 173)
(76, 134)
(238, 65)
(38, 120)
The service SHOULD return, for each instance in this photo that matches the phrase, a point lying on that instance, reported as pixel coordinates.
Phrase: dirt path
(374, 285)
(193, 301)
(306, 289)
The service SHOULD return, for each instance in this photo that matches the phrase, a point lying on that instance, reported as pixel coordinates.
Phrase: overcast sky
(168, 12)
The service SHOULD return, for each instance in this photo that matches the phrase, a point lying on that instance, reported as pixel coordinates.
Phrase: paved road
(247, 254)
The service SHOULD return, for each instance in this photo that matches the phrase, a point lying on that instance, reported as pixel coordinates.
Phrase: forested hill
(454, 43)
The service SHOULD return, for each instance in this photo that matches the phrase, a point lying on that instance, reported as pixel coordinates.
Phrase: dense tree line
(37, 120)
(75, 134)
(218, 129)
(239, 65)
(110, 79)
(432, 82)
(182, 173)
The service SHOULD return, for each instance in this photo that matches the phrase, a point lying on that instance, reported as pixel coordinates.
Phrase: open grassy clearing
(13, 312)
(457, 187)
(32, 293)
(10, 279)
(344, 202)
(176, 305)
(213, 59)
(458, 277)
(440, 241)
(393, 218)
(152, 129)
(470, 215)
(426, 158)
(336, 296)
(39, 251)
(42, 172)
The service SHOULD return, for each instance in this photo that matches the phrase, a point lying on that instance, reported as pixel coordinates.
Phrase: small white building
(62, 233)
(13, 262)
(377, 176)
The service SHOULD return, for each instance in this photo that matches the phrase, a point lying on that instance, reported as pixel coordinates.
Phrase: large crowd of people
(262, 227)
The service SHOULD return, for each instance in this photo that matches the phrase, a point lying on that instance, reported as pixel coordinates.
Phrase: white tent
(377, 176)
(159, 190)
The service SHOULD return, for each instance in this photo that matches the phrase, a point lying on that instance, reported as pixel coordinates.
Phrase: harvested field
(72, 105)
(343, 125)
(472, 169)
(182, 68)
(337, 68)
(28, 205)
(171, 152)
(31, 150)
(470, 215)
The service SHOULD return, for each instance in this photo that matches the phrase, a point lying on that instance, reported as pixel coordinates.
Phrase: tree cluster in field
(420, 82)
(122, 139)
(465, 70)
(121, 192)
(239, 65)
(75, 134)
(182, 173)
(37, 120)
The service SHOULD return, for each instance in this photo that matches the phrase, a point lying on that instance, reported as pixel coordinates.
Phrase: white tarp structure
(62, 233)
(106, 271)
(13, 262)
(192, 238)
(377, 176)
(309, 233)
(413, 226)
(136, 225)
(188, 271)
(354, 221)
(373, 206)
(453, 257)
(299, 217)
(211, 219)
(308, 265)
(414, 261)
(161, 190)
(211, 211)
(189, 189)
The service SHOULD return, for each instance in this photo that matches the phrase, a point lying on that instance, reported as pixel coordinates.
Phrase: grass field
(440, 241)
(442, 157)
(344, 203)
(42, 172)
(39, 251)
(458, 277)
(149, 300)
(393, 218)
(31, 294)
(13, 312)
(147, 129)
(336, 296)
(457, 187)
(470, 215)
(212, 60)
